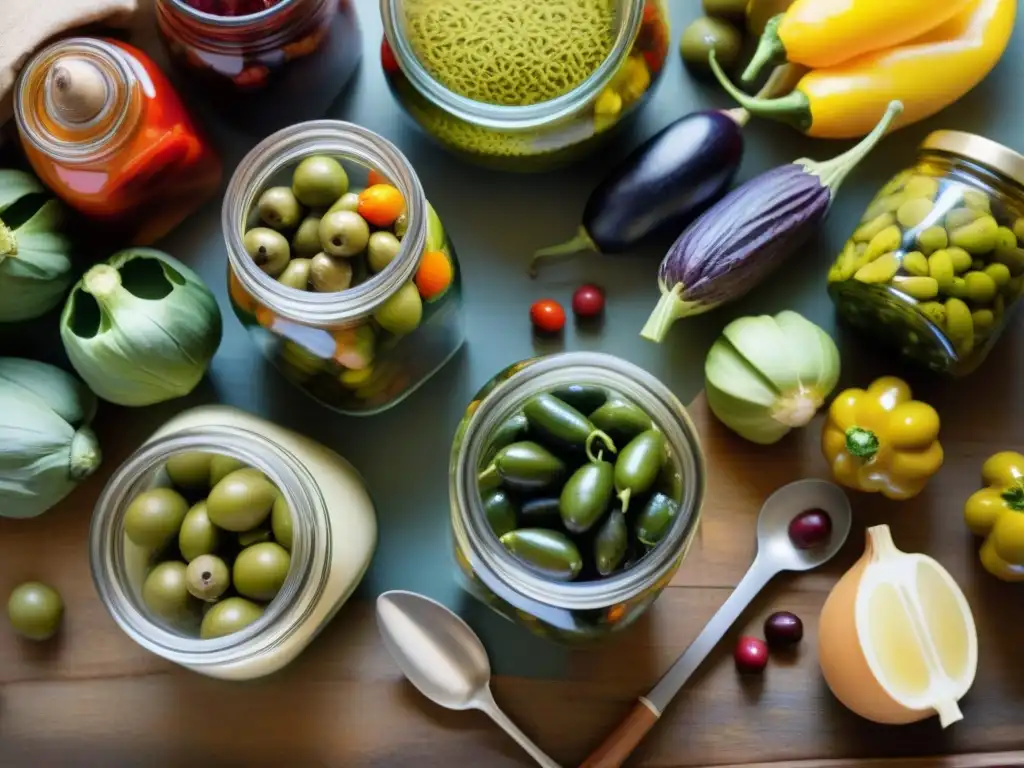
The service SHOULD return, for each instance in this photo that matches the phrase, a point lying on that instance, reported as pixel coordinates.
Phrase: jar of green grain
(576, 483)
(936, 265)
(535, 85)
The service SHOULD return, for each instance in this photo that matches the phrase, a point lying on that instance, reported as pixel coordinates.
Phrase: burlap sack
(25, 25)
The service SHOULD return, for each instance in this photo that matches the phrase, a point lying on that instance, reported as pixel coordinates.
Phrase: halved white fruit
(897, 640)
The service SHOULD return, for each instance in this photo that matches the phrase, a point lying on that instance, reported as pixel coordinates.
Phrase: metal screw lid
(980, 150)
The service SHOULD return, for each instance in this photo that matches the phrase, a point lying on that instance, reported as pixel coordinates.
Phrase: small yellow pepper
(880, 439)
(927, 74)
(997, 513)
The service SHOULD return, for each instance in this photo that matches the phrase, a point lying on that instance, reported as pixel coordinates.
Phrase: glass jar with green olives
(536, 86)
(338, 266)
(936, 265)
(226, 543)
(576, 483)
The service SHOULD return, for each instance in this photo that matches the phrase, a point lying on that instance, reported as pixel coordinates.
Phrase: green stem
(85, 454)
(604, 438)
(669, 309)
(833, 172)
(770, 50)
(1014, 498)
(781, 80)
(8, 242)
(793, 108)
(861, 443)
(582, 241)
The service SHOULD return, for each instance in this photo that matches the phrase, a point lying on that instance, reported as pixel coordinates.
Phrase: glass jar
(564, 114)
(334, 533)
(573, 611)
(332, 345)
(268, 69)
(105, 130)
(936, 265)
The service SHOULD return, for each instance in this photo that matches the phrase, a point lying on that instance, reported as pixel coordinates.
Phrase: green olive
(343, 233)
(260, 570)
(884, 204)
(1013, 258)
(296, 274)
(865, 232)
(705, 35)
(914, 211)
(1018, 228)
(241, 501)
(960, 259)
(197, 536)
(932, 239)
(268, 249)
(959, 326)
(255, 536)
(154, 517)
(279, 208)
(35, 610)
(401, 225)
(347, 202)
(281, 521)
(915, 263)
(165, 591)
(983, 320)
(940, 266)
(934, 311)
(402, 312)
(306, 240)
(981, 288)
(207, 577)
(318, 181)
(921, 288)
(229, 616)
(381, 250)
(957, 288)
(881, 270)
(976, 238)
(190, 470)
(222, 466)
(329, 274)
(999, 273)
(921, 187)
(977, 200)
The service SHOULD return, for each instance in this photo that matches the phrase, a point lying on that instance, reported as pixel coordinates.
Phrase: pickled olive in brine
(931, 267)
(524, 465)
(638, 465)
(653, 521)
(501, 512)
(543, 512)
(558, 420)
(620, 419)
(611, 543)
(586, 495)
(583, 398)
(552, 553)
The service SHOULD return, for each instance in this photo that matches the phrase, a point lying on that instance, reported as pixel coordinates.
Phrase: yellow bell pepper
(997, 513)
(927, 74)
(880, 439)
(823, 33)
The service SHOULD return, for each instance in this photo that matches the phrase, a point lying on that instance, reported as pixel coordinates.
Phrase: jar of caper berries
(226, 543)
(339, 267)
(576, 484)
(936, 265)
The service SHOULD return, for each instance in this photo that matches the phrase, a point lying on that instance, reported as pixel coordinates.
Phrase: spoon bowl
(773, 542)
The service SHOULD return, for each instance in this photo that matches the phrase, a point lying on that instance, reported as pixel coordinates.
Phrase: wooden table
(92, 697)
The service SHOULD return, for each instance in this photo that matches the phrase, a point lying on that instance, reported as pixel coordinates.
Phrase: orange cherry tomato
(547, 316)
(434, 274)
(375, 177)
(381, 204)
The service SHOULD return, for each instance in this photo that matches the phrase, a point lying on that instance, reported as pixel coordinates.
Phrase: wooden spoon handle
(620, 744)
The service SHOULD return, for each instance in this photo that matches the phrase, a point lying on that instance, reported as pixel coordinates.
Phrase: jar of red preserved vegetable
(105, 130)
(267, 63)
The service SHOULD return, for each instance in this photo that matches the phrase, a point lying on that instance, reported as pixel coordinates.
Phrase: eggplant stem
(669, 309)
(582, 241)
(793, 108)
(770, 50)
(8, 243)
(833, 172)
(85, 454)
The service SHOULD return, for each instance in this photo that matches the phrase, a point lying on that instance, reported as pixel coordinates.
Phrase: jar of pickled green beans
(936, 265)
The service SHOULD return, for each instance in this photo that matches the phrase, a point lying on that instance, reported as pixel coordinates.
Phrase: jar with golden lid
(935, 268)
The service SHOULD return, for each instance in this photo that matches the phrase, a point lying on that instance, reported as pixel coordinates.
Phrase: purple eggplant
(661, 186)
(737, 242)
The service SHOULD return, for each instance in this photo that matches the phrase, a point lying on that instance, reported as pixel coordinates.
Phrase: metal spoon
(444, 659)
(775, 553)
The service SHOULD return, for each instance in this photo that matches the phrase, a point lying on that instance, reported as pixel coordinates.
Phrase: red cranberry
(783, 629)
(588, 301)
(751, 655)
(810, 529)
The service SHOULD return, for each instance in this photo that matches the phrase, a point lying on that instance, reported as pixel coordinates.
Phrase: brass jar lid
(980, 150)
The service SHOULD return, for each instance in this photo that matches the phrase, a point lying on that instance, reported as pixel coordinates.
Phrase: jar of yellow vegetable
(936, 265)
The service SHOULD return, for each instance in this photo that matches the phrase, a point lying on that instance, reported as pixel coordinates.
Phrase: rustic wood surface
(92, 697)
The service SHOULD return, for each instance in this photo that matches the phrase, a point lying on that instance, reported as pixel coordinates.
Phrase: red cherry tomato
(387, 57)
(547, 315)
(588, 301)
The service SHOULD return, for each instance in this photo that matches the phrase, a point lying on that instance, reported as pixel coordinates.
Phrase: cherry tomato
(588, 301)
(547, 316)
(387, 57)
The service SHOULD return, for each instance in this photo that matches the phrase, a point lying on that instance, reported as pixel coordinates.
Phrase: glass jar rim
(288, 146)
(214, 20)
(992, 155)
(500, 117)
(297, 596)
(112, 59)
(543, 374)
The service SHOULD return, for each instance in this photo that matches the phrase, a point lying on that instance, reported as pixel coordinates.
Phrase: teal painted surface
(496, 220)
